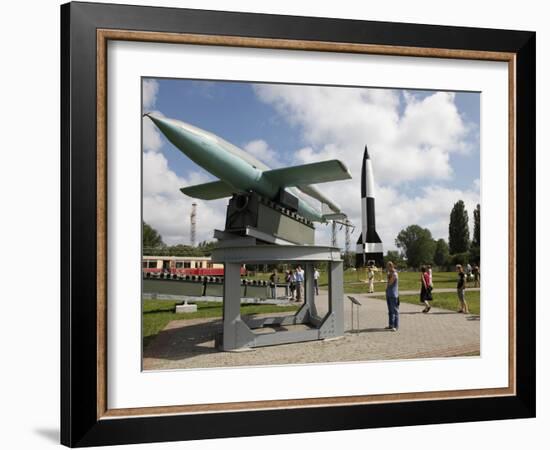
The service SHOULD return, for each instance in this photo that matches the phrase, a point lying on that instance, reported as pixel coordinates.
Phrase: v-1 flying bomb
(240, 172)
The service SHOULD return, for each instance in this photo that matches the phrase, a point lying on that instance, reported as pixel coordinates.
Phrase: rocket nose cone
(167, 126)
(157, 120)
(366, 154)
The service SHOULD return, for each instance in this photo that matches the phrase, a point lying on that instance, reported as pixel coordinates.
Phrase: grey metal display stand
(238, 333)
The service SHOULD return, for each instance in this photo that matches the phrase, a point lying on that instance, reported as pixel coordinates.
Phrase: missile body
(239, 171)
(369, 244)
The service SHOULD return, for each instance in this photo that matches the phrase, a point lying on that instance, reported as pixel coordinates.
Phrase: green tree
(396, 258)
(441, 255)
(417, 244)
(206, 247)
(476, 241)
(151, 237)
(460, 258)
(459, 234)
(473, 255)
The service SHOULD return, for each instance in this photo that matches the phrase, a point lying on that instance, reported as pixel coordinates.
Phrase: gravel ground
(185, 344)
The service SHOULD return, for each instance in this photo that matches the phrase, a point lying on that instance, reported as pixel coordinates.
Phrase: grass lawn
(157, 314)
(447, 300)
(354, 281)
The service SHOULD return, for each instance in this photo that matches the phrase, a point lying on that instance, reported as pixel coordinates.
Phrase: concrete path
(417, 292)
(441, 333)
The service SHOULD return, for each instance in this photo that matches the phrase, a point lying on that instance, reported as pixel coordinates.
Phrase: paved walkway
(417, 292)
(190, 343)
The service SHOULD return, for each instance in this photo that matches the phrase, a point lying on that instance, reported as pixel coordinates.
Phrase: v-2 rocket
(369, 245)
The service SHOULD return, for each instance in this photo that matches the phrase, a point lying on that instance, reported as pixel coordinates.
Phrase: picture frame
(86, 28)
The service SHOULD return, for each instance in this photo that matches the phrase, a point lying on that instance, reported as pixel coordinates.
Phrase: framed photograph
(277, 224)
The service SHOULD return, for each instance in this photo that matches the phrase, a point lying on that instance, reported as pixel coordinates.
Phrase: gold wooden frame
(104, 35)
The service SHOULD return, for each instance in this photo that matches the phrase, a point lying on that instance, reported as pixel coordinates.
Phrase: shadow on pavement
(184, 341)
(367, 330)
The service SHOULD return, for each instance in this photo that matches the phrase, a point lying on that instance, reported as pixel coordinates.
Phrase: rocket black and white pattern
(369, 244)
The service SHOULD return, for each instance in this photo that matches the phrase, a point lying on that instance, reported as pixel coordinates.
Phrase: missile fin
(209, 191)
(372, 236)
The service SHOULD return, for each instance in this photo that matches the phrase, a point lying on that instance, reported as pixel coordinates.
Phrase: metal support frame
(238, 332)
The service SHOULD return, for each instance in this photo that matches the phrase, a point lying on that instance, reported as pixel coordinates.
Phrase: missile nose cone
(366, 154)
(157, 120)
(168, 127)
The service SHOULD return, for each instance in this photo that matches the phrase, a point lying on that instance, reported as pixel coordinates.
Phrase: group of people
(294, 279)
(426, 287)
(426, 280)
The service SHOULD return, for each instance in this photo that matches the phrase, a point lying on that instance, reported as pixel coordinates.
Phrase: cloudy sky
(424, 148)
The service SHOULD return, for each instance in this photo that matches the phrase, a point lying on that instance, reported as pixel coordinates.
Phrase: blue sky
(424, 145)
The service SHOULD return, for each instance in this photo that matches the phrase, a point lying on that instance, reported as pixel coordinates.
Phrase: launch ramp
(239, 333)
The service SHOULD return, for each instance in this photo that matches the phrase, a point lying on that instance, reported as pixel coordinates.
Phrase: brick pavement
(440, 333)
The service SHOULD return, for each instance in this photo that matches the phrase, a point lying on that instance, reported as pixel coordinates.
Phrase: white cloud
(394, 211)
(409, 140)
(150, 90)
(152, 140)
(339, 122)
(167, 210)
(261, 150)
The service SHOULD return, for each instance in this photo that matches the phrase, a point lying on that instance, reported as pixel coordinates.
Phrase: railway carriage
(182, 265)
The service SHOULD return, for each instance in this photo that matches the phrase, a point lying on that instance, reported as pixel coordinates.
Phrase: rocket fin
(372, 236)
(319, 172)
(209, 191)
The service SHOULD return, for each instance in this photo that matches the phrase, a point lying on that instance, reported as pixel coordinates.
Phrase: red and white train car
(182, 265)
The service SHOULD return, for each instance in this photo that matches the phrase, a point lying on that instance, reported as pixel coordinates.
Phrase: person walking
(469, 276)
(425, 289)
(429, 267)
(273, 280)
(460, 288)
(392, 297)
(299, 277)
(316, 280)
(475, 271)
(370, 276)
(287, 283)
(291, 280)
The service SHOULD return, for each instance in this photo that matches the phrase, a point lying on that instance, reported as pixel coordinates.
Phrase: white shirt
(299, 274)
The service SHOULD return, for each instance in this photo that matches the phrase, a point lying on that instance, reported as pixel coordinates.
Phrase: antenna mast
(193, 225)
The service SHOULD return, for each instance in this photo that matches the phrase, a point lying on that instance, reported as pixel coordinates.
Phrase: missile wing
(319, 172)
